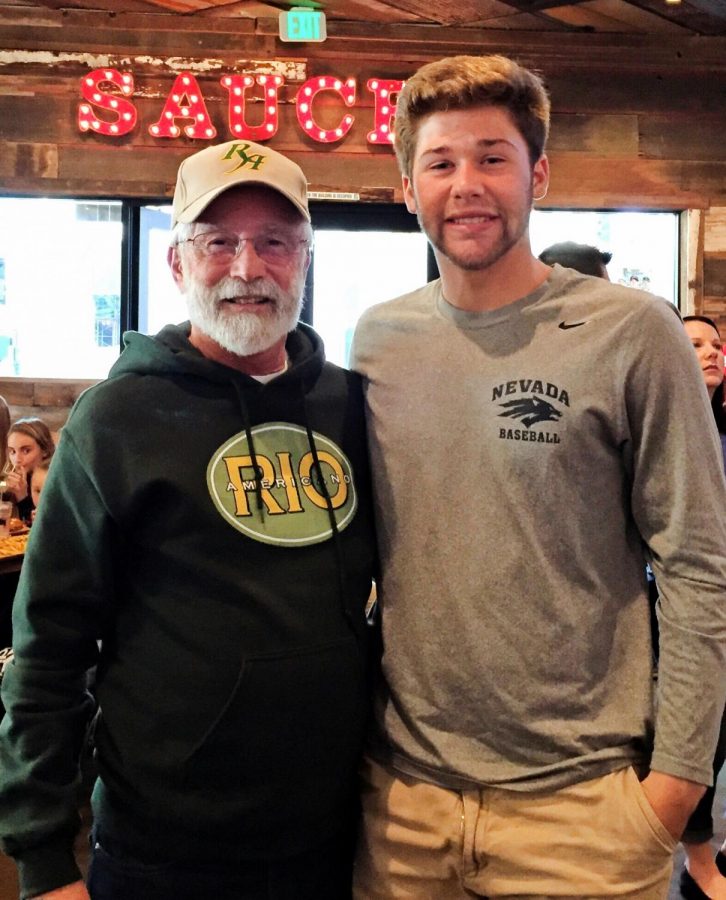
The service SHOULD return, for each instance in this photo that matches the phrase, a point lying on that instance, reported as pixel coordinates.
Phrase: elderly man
(207, 521)
(529, 438)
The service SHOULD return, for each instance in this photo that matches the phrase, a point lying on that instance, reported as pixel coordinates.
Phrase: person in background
(37, 481)
(208, 518)
(7, 589)
(4, 429)
(30, 442)
(705, 876)
(706, 341)
(580, 257)
(525, 468)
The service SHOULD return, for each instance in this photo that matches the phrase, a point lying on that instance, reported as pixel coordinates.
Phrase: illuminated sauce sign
(107, 107)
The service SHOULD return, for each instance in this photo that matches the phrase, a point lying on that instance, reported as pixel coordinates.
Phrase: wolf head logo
(530, 410)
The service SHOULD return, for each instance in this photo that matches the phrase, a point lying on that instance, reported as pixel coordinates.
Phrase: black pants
(321, 874)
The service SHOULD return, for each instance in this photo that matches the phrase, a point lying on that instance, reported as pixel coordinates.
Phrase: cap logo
(253, 160)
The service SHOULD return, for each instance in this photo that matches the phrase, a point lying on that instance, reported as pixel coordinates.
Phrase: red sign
(107, 108)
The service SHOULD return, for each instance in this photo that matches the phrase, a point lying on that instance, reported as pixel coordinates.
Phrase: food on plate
(13, 545)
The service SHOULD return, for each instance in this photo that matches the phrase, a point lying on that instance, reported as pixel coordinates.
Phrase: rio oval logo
(294, 507)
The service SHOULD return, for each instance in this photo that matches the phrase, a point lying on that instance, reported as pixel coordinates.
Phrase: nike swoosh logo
(564, 325)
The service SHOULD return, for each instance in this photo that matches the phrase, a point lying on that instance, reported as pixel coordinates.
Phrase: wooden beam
(705, 17)
(715, 242)
(28, 161)
(714, 276)
(691, 257)
(28, 28)
(539, 5)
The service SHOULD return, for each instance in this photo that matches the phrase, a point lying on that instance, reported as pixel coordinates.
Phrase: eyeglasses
(223, 248)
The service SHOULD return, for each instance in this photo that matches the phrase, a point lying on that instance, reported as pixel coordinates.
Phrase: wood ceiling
(652, 17)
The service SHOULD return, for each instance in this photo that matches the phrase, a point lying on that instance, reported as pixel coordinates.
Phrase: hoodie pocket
(300, 715)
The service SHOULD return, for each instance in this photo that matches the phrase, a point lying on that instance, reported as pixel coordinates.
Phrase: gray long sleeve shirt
(527, 462)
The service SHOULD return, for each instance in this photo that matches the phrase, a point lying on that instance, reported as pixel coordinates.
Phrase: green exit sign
(302, 24)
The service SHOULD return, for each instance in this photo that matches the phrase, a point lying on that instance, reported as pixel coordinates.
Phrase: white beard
(244, 334)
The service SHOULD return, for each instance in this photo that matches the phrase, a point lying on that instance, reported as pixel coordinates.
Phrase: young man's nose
(468, 180)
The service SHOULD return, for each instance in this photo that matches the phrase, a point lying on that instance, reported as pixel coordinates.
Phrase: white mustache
(243, 333)
(230, 287)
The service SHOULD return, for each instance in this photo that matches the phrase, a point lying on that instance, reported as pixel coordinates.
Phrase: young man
(528, 433)
(207, 519)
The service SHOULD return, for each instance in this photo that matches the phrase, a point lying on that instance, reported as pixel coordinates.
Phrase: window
(353, 270)
(108, 310)
(61, 277)
(644, 245)
(363, 254)
(64, 303)
(98, 212)
(160, 301)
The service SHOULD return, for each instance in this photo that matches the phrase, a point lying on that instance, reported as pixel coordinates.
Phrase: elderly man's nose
(248, 264)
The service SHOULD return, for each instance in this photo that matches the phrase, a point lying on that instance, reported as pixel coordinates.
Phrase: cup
(6, 511)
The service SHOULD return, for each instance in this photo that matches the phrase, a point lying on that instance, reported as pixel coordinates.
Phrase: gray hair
(181, 232)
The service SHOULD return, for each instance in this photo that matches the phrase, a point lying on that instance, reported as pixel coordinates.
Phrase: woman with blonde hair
(29, 443)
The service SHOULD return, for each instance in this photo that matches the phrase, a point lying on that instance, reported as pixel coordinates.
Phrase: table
(12, 550)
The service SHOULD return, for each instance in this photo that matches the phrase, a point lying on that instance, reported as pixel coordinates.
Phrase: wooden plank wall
(637, 120)
(49, 398)
(714, 266)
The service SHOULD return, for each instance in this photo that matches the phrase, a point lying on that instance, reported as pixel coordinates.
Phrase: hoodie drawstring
(321, 486)
(256, 468)
(337, 544)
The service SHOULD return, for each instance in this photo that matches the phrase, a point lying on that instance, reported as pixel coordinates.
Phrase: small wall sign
(302, 25)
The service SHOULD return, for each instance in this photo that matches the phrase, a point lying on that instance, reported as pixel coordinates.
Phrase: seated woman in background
(704, 876)
(707, 343)
(29, 443)
(4, 429)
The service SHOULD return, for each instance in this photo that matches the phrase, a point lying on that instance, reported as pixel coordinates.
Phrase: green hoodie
(229, 611)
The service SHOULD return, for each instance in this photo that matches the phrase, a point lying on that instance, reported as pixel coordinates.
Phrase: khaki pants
(599, 838)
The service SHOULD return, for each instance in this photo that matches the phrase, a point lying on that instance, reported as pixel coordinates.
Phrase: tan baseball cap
(214, 170)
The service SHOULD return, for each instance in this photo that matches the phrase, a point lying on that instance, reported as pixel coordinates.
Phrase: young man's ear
(540, 178)
(408, 195)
